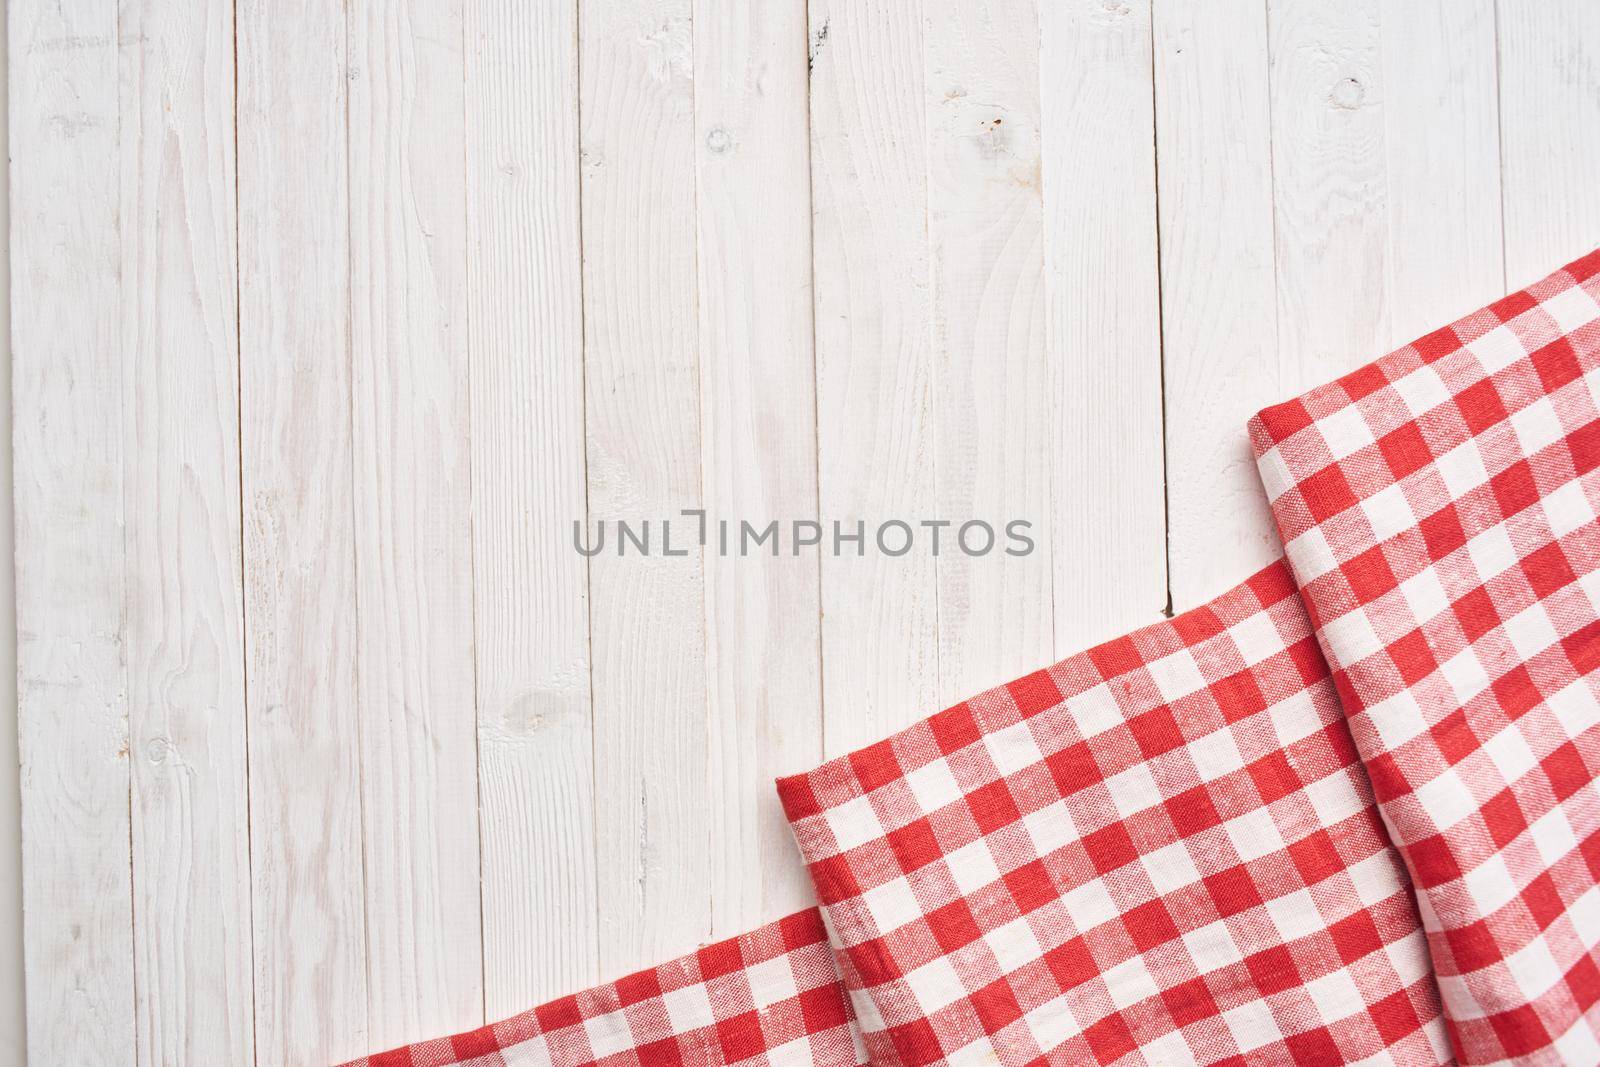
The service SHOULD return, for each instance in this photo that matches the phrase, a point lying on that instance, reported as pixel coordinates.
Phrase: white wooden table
(328, 321)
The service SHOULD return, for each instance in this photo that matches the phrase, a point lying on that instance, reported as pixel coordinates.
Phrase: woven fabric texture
(1164, 847)
(1439, 511)
(769, 997)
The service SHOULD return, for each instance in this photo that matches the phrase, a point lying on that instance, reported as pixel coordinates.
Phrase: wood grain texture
(1218, 286)
(1385, 161)
(1331, 188)
(184, 625)
(13, 994)
(1442, 157)
(299, 566)
(758, 454)
(1384, 176)
(1550, 130)
(525, 329)
(413, 530)
(72, 714)
(317, 360)
(1102, 334)
(653, 843)
(991, 418)
(874, 355)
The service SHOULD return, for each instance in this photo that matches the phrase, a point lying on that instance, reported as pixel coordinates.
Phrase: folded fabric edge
(1083, 935)
(857, 773)
(773, 992)
(1276, 423)
(1482, 433)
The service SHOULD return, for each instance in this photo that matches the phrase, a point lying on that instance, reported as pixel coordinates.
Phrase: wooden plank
(1364, 131)
(1218, 289)
(1331, 188)
(759, 454)
(1442, 153)
(1108, 530)
(1550, 121)
(991, 378)
(413, 529)
(647, 612)
(13, 995)
(300, 599)
(874, 356)
(1373, 248)
(184, 622)
(68, 441)
(525, 330)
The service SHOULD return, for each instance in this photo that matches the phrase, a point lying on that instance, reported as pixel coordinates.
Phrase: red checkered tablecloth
(769, 997)
(1346, 812)
(1439, 511)
(1165, 845)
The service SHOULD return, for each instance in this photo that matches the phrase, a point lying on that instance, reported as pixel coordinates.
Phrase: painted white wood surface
(874, 354)
(301, 432)
(67, 385)
(991, 425)
(647, 632)
(308, 901)
(1219, 324)
(1103, 327)
(13, 997)
(525, 338)
(415, 672)
(184, 619)
(1359, 206)
(1442, 160)
(759, 447)
(1550, 132)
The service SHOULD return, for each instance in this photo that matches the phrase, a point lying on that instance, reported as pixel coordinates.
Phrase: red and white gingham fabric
(1439, 511)
(770, 997)
(1197, 843)
(1163, 850)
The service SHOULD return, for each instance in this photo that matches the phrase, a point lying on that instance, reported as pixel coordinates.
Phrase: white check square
(1388, 512)
(1211, 947)
(1531, 631)
(1567, 509)
(1572, 308)
(689, 1008)
(1177, 675)
(1130, 983)
(1095, 711)
(854, 823)
(609, 1034)
(1498, 349)
(1134, 790)
(1421, 391)
(1013, 748)
(1425, 595)
(972, 866)
(1014, 945)
(1462, 469)
(1345, 432)
(1352, 635)
(933, 785)
(891, 905)
(1492, 552)
(772, 981)
(1536, 426)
